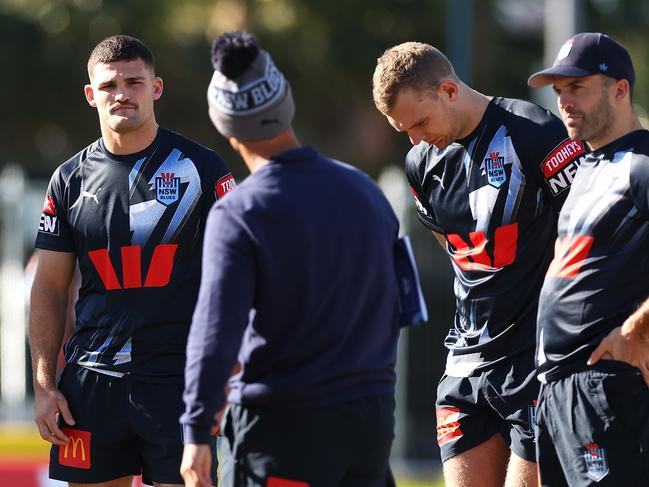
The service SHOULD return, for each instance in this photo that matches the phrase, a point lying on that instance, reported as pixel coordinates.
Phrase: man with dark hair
(488, 175)
(593, 323)
(305, 291)
(120, 48)
(131, 209)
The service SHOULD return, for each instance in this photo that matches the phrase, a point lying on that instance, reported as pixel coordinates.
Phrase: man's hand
(196, 465)
(49, 403)
(626, 343)
(218, 418)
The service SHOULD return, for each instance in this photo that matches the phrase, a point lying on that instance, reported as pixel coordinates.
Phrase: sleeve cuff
(195, 435)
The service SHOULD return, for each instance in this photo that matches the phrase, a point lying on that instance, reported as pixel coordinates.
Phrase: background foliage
(326, 48)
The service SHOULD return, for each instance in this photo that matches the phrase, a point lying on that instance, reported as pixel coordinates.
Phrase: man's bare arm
(441, 239)
(47, 318)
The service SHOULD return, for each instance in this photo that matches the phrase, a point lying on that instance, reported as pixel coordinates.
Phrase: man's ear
(90, 95)
(448, 89)
(158, 87)
(622, 88)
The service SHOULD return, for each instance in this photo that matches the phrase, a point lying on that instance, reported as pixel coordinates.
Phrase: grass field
(22, 442)
(419, 483)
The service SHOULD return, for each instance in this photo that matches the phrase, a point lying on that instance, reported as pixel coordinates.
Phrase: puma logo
(87, 194)
(437, 178)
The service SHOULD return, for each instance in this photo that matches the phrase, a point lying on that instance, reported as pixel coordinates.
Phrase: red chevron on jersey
(569, 256)
(158, 275)
(476, 257)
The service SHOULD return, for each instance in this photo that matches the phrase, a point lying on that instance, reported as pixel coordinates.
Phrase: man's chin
(124, 125)
(575, 133)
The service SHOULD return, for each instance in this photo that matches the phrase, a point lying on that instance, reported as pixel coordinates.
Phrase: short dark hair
(120, 48)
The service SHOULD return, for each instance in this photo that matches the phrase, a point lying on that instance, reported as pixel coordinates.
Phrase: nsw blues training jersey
(135, 223)
(494, 197)
(600, 271)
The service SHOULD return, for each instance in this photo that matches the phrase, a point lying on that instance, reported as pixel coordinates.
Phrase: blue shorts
(344, 444)
(593, 428)
(500, 400)
(124, 426)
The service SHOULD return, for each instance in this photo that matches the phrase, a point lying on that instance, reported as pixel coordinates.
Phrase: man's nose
(122, 95)
(565, 101)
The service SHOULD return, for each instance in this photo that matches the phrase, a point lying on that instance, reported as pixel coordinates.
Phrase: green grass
(420, 483)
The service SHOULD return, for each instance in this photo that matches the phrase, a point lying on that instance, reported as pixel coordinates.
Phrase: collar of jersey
(609, 149)
(135, 156)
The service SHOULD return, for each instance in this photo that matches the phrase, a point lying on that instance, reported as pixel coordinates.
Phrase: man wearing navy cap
(593, 321)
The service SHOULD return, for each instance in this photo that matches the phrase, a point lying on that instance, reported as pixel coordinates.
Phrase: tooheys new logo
(224, 186)
(49, 222)
(560, 166)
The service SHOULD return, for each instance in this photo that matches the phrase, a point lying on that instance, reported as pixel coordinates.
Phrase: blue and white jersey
(135, 223)
(600, 272)
(494, 196)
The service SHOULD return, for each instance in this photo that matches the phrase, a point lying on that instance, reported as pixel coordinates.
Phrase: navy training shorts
(500, 400)
(345, 444)
(124, 426)
(593, 428)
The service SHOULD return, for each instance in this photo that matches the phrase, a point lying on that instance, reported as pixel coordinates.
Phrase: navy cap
(586, 54)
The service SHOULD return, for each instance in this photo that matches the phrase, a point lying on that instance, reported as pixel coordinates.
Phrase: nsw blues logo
(495, 168)
(596, 465)
(167, 188)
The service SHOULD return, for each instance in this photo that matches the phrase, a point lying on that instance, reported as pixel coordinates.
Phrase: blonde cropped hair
(411, 65)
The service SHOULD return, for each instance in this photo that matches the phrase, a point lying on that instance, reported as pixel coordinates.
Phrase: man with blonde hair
(488, 175)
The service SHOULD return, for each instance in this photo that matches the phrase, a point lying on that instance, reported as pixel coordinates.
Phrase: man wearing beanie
(299, 279)
(593, 321)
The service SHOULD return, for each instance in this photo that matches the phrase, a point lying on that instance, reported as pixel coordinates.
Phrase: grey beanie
(248, 97)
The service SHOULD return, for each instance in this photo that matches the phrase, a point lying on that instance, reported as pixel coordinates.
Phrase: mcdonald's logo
(76, 452)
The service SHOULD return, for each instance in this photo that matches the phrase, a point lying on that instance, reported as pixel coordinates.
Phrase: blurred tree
(327, 49)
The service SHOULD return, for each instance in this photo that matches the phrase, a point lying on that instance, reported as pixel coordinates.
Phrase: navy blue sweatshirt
(299, 279)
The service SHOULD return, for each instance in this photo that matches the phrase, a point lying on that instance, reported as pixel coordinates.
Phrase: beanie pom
(233, 53)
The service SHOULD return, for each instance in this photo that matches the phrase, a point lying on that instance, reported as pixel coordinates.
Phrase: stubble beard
(125, 125)
(595, 125)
